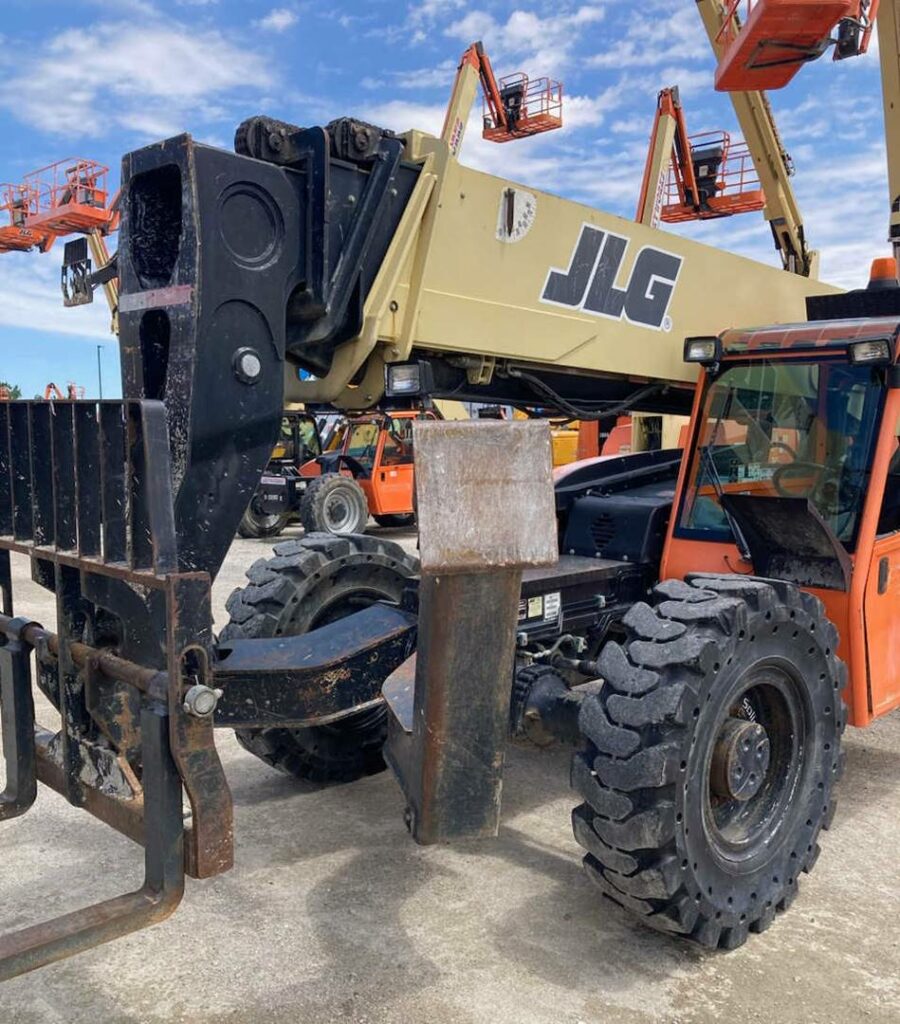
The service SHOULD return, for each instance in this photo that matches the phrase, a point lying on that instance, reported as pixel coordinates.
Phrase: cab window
(398, 443)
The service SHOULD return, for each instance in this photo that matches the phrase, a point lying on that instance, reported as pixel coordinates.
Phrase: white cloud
(422, 16)
(402, 115)
(650, 40)
(473, 25)
(438, 76)
(30, 298)
(277, 20)
(144, 7)
(152, 79)
(430, 10)
(543, 44)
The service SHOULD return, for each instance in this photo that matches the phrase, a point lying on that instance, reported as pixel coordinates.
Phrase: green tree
(15, 392)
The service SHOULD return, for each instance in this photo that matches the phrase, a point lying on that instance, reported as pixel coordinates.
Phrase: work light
(402, 380)
(701, 350)
(877, 352)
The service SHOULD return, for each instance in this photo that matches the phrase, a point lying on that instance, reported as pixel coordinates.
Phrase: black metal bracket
(86, 493)
(17, 716)
(75, 277)
(163, 885)
(315, 678)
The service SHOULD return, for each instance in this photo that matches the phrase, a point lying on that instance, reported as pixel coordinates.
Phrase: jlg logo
(589, 282)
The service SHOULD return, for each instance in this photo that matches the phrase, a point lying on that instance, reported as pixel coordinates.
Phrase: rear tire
(309, 583)
(334, 504)
(396, 520)
(711, 754)
(255, 525)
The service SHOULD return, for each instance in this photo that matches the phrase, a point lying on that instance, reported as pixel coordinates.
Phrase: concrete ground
(333, 914)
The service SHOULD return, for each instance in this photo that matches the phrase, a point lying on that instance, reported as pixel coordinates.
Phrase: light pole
(99, 371)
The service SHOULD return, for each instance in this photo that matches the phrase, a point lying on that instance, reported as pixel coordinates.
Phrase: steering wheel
(829, 488)
(797, 468)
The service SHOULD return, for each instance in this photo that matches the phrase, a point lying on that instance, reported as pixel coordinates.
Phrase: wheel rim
(762, 730)
(266, 521)
(338, 513)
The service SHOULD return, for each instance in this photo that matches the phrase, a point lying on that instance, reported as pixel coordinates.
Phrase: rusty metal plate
(484, 495)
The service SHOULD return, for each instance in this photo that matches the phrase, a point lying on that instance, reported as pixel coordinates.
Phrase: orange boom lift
(694, 177)
(68, 197)
(775, 38)
(514, 107)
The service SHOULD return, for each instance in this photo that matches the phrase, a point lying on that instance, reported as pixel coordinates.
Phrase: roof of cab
(817, 334)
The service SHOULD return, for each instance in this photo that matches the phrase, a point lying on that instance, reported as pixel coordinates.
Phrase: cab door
(882, 599)
(392, 478)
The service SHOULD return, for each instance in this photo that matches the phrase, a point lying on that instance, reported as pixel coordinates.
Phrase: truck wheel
(255, 524)
(396, 519)
(334, 504)
(710, 755)
(309, 583)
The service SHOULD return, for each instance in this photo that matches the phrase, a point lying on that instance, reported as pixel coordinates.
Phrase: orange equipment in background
(777, 37)
(516, 106)
(694, 177)
(73, 392)
(67, 197)
(14, 235)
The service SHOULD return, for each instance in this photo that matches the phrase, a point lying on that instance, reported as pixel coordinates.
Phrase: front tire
(309, 583)
(710, 756)
(334, 504)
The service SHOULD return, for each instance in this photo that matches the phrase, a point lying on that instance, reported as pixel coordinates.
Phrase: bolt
(200, 701)
(247, 365)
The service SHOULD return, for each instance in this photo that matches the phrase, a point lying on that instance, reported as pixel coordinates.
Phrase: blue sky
(100, 77)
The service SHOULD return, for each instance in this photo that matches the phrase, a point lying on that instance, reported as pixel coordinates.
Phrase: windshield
(362, 440)
(789, 429)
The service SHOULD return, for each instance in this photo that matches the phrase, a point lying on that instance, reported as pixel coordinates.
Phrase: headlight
(701, 350)
(403, 380)
(871, 351)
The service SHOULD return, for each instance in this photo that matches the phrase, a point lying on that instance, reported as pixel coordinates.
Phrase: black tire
(310, 582)
(396, 519)
(666, 838)
(334, 504)
(255, 525)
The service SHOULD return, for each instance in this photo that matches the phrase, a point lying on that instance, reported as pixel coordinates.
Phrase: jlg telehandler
(680, 621)
(369, 472)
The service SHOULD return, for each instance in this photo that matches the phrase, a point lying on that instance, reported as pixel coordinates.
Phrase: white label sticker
(552, 604)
